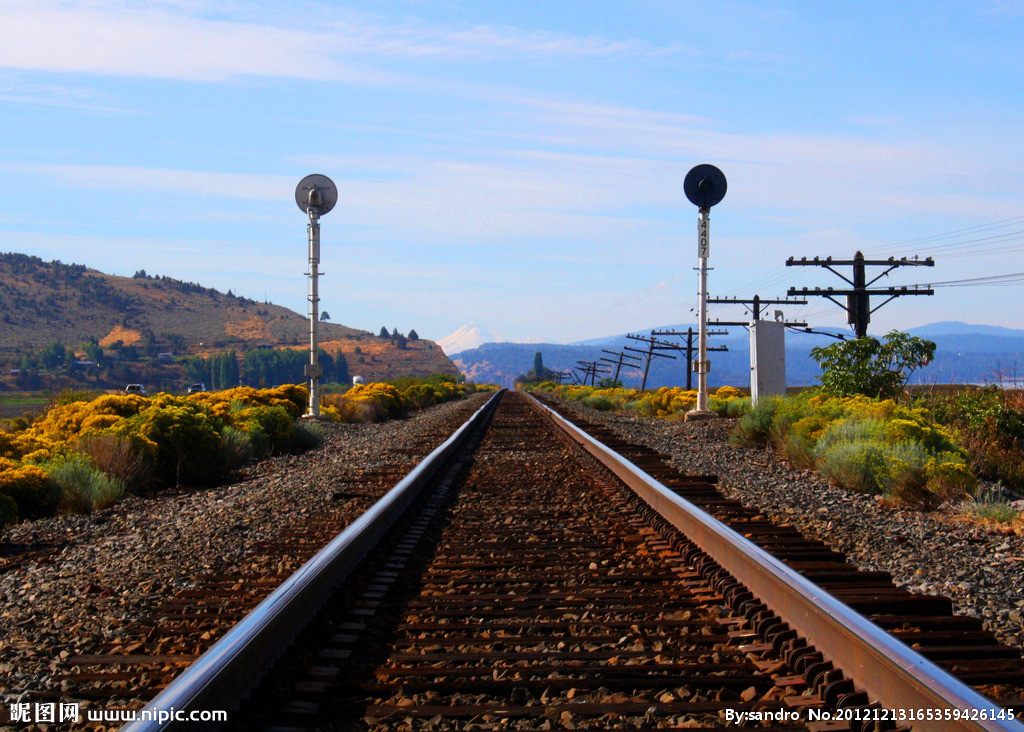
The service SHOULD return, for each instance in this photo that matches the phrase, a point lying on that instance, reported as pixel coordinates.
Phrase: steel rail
(231, 667)
(889, 670)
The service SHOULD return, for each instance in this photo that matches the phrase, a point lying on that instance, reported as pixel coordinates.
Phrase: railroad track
(176, 621)
(530, 588)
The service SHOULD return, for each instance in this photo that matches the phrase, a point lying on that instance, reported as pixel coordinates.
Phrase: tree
(92, 350)
(395, 333)
(384, 332)
(400, 342)
(413, 335)
(54, 355)
(538, 373)
(871, 367)
(324, 317)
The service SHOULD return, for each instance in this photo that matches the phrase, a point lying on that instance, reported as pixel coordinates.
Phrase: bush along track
(83, 454)
(961, 449)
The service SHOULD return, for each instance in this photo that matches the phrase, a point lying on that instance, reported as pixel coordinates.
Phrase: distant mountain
(466, 337)
(127, 318)
(965, 354)
(957, 328)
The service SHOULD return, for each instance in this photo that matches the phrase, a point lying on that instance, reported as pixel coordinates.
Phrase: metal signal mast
(315, 196)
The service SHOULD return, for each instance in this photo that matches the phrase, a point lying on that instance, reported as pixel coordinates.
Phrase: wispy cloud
(17, 91)
(186, 182)
(191, 41)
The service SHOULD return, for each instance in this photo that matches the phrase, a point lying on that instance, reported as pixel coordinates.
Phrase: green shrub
(754, 427)
(238, 447)
(732, 408)
(993, 505)
(122, 457)
(306, 435)
(802, 437)
(8, 510)
(853, 465)
(600, 402)
(578, 395)
(83, 488)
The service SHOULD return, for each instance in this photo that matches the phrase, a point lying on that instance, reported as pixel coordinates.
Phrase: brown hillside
(42, 303)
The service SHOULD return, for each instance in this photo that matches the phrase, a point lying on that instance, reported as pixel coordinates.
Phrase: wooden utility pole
(858, 296)
(619, 361)
(691, 345)
(653, 346)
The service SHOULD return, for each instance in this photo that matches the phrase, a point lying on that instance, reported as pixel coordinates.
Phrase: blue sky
(520, 165)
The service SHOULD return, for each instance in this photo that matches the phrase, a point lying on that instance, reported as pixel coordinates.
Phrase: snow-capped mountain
(466, 337)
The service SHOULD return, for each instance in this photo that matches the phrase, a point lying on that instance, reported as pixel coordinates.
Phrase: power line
(993, 280)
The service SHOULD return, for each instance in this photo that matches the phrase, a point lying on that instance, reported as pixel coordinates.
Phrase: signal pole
(858, 298)
(704, 186)
(315, 196)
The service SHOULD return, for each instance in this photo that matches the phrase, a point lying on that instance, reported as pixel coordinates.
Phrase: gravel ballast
(981, 569)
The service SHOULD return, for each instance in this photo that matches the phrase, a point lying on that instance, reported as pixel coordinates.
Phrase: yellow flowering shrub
(728, 392)
(65, 421)
(293, 398)
(30, 489)
(377, 401)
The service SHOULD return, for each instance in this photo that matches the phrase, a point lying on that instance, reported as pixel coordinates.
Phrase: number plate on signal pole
(703, 238)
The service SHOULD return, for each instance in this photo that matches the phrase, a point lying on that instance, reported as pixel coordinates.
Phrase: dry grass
(120, 333)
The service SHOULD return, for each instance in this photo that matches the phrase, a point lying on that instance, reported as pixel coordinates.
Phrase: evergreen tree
(384, 332)
(413, 335)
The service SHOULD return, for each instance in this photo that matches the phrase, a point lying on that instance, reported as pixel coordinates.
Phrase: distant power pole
(653, 346)
(858, 296)
(690, 346)
(591, 369)
(620, 361)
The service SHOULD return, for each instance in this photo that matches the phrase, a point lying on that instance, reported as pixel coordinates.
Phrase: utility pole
(755, 305)
(653, 346)
(592, 369)
(858, 296)
(619, 361)
(690, 346)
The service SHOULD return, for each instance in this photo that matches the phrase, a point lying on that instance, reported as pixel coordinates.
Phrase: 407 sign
(703, 238)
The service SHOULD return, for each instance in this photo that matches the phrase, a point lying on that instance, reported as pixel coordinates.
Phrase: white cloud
(186, 182)
(153, 42)
(203, 42)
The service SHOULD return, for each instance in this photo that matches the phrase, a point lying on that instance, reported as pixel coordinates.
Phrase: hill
(127, 318)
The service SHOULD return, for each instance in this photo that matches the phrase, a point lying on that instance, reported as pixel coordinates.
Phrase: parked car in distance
(135, 389)
(196, 388)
